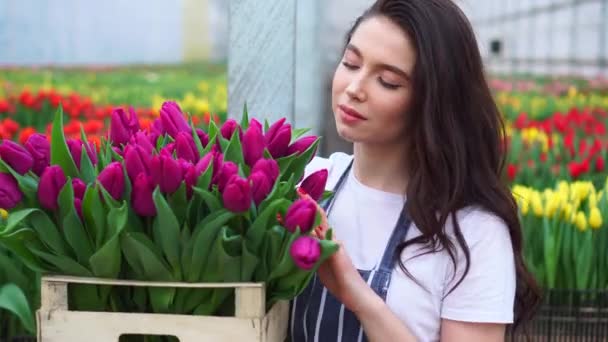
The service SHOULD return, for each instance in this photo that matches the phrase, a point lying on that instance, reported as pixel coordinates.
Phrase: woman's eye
(387, 84)
(349, 66)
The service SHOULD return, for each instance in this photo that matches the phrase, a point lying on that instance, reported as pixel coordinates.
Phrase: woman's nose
(355, 90)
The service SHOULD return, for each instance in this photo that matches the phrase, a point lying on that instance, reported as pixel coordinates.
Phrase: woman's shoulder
(335, 165)
(479, 225)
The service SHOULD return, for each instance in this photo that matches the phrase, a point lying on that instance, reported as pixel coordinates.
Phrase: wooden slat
(137, 283)
(250, 302)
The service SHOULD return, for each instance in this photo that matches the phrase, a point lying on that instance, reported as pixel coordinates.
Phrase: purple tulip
(16, 156)
(10, 195)
(269, 166)
(277, 138)
(237, 195)
(301, 213)
(228, 128)
(172, 119)
(51, 182)
(227, 170)
(184, 166)
(141, 196)
(305, 251)
(122, 127)
(118, 151)
(79, 188)
(141, 139)
(40, 149)
(254, 122)
(185, 147)
(166, 172)
(168, 149)
(203, 137)
(195, 171)
(261, 186)
(301, 145)
(75, 147)
(113, 180)
(137, 161)
(314, 185)
(253, 145)
(157, 128)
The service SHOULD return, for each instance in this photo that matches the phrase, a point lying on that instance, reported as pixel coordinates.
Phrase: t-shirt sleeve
(487, 292)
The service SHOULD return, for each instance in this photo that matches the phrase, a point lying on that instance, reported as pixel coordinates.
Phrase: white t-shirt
(363, 218)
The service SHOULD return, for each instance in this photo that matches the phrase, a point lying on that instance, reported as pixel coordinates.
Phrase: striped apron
(317, 316)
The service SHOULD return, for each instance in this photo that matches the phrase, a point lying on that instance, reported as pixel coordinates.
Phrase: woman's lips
(350, 115)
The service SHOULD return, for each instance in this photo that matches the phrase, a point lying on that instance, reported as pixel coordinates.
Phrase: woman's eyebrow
(389, 67)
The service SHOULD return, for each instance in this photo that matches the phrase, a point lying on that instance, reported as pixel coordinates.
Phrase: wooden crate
(251, 322)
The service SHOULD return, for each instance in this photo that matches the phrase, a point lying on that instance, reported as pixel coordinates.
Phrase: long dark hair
(456, 136)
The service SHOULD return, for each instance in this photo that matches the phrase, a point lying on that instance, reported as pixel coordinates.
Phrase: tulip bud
(157, 129)
(301, 145)
(195, 171)
(185, 147)
(78, 207)
(122, 127)
(301, 213)
(79, 188)
(253, 145)
(137, 161)
(113, 180)
(228, 128)
(75, 147)
(314, 185)
(261, 186)
(269, 166)
(143, 140)
(203, 137)
(227, 170)
(166, 172)
(51, 182)
(172, 119)
(10, 195)
(40, 149)
(305, 251)
(141, 196)
(237, 195)
(277, 138)
(16, 156)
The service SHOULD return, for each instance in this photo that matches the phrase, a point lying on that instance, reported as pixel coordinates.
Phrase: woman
(431, 242)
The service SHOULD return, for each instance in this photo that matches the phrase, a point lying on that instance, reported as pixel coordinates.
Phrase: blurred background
(547, 64)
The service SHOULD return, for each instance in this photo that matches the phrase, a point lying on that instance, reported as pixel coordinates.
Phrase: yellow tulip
(3, 214)
(581, 221)
(567, 211)
(595, 218)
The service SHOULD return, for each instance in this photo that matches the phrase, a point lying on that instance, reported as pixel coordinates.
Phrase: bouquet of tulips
(172, 203)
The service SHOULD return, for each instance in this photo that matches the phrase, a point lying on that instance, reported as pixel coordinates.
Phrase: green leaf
(256, 232)
(197, 141)
(94, 215)
(16, 241)
(212, 202)
(145, 260)
(105, 263)
(249, 263)
(245, 117)
(204, 180)
(109, 200)
(144, 257)
(178, 202)
(204, 235)
(298, 165)
(234, 149)
(167, 228)
(73, 230)
(14, 300)
(87, 170)
(43, 225)
(60, 154)
(286, 264)
(64, 264)
(298, 132)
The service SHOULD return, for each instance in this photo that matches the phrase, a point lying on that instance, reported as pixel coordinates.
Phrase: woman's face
(371, 88)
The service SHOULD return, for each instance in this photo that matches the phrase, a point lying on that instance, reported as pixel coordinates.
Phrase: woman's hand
(339, 275)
